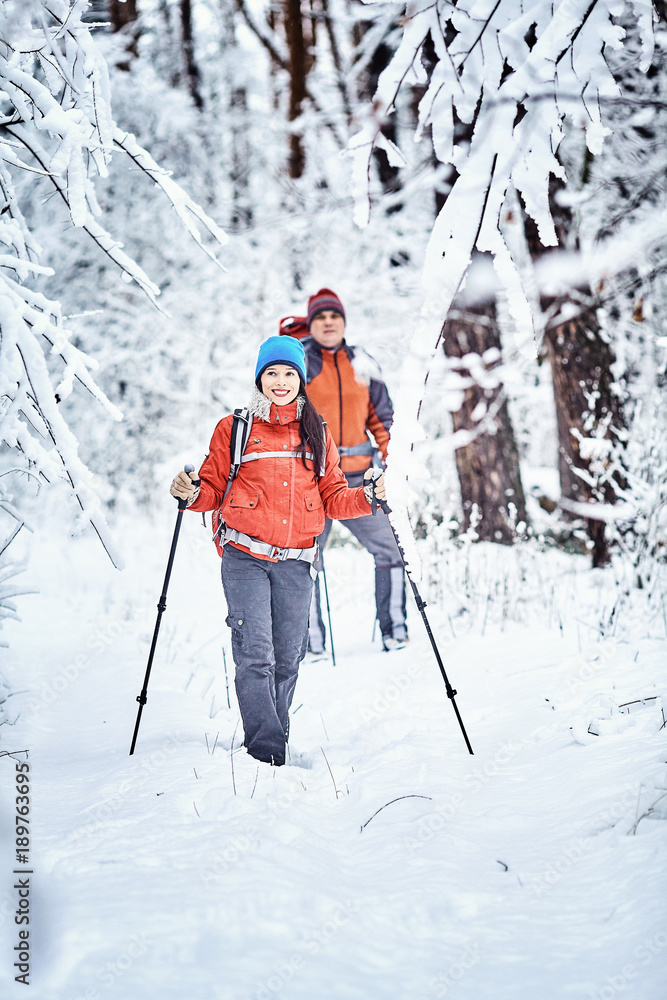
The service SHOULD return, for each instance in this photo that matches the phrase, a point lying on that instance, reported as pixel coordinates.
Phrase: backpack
(293, 326)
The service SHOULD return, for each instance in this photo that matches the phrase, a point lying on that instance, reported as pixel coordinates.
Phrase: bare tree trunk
(191, 67)
(368, 78)
(240, 155)
(390, 177)
(488, 466)
(588, 415)
(297, 72)
(122, 14)
(123, 17)
(241, 162)
(170, 61)
(341, 78)
(589, 412)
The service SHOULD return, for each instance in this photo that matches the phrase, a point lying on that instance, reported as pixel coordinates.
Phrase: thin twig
(268, 40)
(323, 727)
(67, 472)
(97, 237)
(11, 537)
(478, 39)
(649, 812)
(330, 772)
(570, 43)
(335, 54)
(271, 44)
(224, 660)
(231, 757)
(391, 803)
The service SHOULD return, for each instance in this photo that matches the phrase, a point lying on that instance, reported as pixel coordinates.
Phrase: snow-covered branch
(60, 126)
(509, 71)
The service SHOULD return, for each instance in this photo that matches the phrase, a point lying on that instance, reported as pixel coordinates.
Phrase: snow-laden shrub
(58, 125)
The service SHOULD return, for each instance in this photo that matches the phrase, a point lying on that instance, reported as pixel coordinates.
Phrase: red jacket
(276, 499)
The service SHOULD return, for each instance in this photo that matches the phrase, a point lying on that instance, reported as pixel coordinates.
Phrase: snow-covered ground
(383, 861)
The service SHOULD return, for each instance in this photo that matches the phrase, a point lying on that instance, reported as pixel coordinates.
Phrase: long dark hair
(313, 434)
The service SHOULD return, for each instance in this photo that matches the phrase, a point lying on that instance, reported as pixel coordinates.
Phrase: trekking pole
(326, 594)
(421, 604)
(161, 607)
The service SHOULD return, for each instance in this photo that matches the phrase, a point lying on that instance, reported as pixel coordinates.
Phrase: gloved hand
(185, 488)
(374, 484)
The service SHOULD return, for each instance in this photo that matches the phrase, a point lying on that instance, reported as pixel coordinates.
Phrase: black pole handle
(182, 504)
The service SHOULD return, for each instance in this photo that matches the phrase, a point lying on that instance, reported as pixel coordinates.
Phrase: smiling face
(280, 384)
(327, 328)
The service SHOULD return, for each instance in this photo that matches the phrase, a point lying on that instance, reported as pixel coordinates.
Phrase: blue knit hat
(281, 351)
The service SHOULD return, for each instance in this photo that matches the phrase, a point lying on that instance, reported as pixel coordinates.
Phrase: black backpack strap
(241, 427)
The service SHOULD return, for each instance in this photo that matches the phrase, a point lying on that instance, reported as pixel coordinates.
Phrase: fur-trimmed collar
(260, 406)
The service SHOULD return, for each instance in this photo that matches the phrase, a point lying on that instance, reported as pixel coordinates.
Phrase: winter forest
(484, 185)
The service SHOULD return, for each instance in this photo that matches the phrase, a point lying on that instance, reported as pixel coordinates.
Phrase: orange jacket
(346, 387)
(276, 499)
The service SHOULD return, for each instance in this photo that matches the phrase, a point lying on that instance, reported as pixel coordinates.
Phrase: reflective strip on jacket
(276, 499)
(346, 388)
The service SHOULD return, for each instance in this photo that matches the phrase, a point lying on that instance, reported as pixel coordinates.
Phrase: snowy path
(187, 873)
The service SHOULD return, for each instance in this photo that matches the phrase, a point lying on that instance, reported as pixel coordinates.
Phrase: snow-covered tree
(621, 202)
(497, 87)
(57, 124)
(520, 76)
(487, 459)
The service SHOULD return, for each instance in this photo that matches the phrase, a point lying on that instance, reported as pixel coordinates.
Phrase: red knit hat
(324, 299)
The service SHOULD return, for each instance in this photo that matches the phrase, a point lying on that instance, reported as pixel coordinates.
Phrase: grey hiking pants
(267, 605)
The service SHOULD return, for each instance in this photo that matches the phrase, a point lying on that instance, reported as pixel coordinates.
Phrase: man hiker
(345, 385)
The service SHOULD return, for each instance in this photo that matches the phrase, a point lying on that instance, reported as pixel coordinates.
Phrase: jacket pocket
(240, 506)
(312, 517)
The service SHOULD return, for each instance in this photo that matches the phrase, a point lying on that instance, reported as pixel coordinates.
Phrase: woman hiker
(288, 481)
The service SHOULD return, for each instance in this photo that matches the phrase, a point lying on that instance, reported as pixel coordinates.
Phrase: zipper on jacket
(340, 396)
